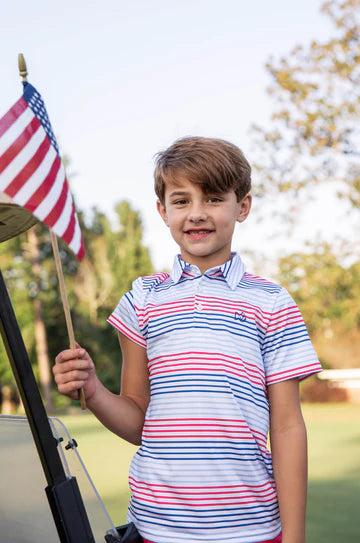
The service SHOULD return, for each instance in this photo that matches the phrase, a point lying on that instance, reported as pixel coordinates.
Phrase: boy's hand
(73, 370)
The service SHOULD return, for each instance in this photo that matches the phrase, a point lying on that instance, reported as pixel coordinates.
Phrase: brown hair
(215, 164)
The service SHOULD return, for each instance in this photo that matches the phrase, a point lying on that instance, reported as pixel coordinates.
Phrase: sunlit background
(121, 81)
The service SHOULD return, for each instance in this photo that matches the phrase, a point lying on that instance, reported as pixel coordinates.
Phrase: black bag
(128, 534)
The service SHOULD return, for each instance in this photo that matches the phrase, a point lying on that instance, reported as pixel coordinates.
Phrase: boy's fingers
(70, 354)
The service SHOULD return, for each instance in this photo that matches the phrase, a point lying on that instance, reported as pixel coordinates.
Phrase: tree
(328, 294)
(314, 130)
(115, 256)
(27, 270)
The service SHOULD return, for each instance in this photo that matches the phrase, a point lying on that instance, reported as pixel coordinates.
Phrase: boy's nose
(197, 213)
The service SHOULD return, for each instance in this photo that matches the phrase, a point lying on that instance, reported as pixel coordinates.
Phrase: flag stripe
(10, 135)
(56, 211)
(64, 218)
(31, 172)
(52, 196)
(69, 232)
(40, 193)
(7, 120)
(19, 144)
(77, 244)
(8, 175)
(37, 177)
(28, 170)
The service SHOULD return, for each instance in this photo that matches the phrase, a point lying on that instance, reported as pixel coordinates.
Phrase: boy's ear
(244, 208)
(161, 209)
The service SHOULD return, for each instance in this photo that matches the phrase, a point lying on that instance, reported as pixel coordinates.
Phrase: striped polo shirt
(214, 342)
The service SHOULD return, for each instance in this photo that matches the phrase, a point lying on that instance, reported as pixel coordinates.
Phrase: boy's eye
(180, 202)
(214, 199)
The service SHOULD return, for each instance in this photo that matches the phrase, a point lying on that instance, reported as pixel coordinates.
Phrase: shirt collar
(232, 271)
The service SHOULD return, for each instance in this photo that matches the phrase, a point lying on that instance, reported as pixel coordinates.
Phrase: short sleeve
(127, 314)
(287, 348)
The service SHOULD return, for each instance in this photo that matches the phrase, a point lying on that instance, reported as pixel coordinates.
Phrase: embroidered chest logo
(240, 316)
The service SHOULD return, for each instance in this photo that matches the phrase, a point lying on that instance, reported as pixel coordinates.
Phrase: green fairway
(334, 473)
(334, 469)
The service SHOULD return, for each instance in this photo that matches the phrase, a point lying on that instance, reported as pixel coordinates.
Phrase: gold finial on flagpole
(22, 67)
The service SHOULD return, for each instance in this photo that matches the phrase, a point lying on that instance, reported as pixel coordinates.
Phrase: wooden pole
(65, 303)
(63, 293)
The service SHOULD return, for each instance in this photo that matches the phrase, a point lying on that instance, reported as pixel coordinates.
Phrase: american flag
(31, 171)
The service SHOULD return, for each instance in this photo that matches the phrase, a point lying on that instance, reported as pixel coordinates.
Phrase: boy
(212, 356)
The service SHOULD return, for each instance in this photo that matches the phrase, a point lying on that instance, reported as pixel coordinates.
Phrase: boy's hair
(214, 164)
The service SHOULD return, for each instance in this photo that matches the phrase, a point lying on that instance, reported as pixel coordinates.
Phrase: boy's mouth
(198, 233)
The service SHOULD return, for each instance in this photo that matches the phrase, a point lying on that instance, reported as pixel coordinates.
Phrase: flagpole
(65, 303)
(23, 73)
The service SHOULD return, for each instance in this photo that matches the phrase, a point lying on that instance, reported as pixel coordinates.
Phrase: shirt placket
(199, 295)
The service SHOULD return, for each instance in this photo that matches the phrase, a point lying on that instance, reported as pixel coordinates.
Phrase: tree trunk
(40, 330)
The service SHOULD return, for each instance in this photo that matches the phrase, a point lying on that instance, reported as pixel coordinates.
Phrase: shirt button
(199, 307)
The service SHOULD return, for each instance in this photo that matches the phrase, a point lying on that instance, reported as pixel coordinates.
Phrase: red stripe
(215, 496)
(19, 144)
(69, 232)
(81, 251)
(222, 368)
(277, 539)
(249, 487)
(291, 370)
(206, 503)
(301, 374)
(126, 331)
(195, 434)
(19, 181)
(10, 117)
(201, 424)
(41, 192)
(56, 211)
(199, 419)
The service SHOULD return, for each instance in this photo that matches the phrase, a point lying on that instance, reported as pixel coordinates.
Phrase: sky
(122, 80)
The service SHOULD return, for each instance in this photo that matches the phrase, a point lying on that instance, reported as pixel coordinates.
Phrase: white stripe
(63, 221)
(37, 178)
(26, 154)
(52, 196)
(14, 131)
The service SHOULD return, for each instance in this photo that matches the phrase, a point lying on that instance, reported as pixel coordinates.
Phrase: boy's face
(202, 224)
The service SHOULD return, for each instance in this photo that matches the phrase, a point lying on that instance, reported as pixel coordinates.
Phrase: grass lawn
(334, 469)
(334, 473)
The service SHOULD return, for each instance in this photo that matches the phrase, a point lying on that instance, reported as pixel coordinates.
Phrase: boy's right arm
(123, 414)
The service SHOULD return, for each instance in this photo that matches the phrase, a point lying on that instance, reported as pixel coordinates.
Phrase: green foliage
(325, 290)
(314, 127)
(115, 256)
(328, 294)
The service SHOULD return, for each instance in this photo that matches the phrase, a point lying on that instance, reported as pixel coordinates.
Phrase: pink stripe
(295, 372)
(127, 331)
(277, 539)
(220, 367)
(205, 503)
(186, 488)
(200, 424)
